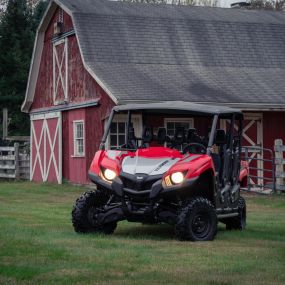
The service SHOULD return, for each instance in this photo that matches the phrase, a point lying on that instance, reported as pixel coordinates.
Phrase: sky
(227, 3)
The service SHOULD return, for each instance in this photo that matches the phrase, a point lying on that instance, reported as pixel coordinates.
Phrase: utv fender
(205, 186)
(202, 185)
(99, 181)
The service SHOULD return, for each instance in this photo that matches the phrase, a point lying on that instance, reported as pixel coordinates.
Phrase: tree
(278, 5)
(17, 33)
(3, 5)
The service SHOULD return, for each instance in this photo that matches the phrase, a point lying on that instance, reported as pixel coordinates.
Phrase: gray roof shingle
(166, 52)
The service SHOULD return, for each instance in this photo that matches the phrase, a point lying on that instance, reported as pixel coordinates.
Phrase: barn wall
(273, 128)
(74, 168)
(81, 85)
(65, 146)
(95, 119)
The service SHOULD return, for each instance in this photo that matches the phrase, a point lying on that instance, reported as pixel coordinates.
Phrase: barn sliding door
(46, 148)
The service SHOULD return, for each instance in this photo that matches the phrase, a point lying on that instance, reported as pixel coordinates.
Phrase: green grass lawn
(38, 245)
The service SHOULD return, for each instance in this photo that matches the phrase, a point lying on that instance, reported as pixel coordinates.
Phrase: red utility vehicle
(190, 180)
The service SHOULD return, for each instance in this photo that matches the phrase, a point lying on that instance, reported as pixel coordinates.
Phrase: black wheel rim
(201, 225)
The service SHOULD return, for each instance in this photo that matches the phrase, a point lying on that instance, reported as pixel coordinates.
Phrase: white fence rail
(14, 162)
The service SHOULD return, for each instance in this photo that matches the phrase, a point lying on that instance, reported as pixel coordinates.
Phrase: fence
(279, 149)
(261, 169)
(15, 162)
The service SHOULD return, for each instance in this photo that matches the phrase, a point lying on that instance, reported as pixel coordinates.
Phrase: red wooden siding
(95, 118)
(81, 85)
(273, 128)
(67, 24)
(75, 169)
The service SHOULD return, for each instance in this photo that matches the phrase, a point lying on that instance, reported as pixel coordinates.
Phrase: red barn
(92, 54)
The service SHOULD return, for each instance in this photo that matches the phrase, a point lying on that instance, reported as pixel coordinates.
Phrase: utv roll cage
(181, 108)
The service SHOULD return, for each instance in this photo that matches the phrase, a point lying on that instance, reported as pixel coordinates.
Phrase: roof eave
(242, 106)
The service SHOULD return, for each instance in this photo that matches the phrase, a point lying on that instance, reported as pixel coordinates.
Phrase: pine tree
(17, 33)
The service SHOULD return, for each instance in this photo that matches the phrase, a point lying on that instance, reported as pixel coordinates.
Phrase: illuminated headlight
(109, 174)
(177, 177)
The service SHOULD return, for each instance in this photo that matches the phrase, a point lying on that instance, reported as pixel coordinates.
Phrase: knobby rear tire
(238, 222)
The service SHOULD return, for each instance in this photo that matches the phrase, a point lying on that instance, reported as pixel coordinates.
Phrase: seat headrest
(161, 135)
(220, 137)
(131, 133)
(147, 134)
(191, 134)
(179, 135)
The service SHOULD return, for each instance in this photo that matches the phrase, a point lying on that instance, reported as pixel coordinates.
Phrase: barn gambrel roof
(146, 52)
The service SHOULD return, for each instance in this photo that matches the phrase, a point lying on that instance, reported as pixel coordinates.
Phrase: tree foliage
(278, 5)
(17, 32)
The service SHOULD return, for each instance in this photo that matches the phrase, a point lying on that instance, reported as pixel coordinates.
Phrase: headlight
(177, 177)
(109, 174)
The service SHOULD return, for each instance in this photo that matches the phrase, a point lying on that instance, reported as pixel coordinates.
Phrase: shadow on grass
(152, 232)
(139, 231)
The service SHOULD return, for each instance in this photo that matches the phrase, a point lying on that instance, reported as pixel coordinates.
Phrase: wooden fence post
(279, 162)
(5, 123)
(17, 161)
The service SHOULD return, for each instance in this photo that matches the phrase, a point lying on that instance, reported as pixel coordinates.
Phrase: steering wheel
(127, 147)
(196, 148)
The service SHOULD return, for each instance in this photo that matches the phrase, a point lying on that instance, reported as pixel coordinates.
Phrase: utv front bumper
(157, 189)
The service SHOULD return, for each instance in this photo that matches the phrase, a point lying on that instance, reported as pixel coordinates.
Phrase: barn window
(117, 134)
(171, 124)
(79, 138)
(60, 15)
(118, 130)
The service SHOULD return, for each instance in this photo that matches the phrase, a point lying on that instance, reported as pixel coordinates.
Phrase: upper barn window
(60, 15)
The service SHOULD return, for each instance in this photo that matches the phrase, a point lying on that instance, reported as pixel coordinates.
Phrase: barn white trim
(46, 140)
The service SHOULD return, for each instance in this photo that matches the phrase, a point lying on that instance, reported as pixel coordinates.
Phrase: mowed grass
(38, 245)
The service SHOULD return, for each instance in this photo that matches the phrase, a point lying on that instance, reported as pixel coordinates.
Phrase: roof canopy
(178, 107)
(146, 52)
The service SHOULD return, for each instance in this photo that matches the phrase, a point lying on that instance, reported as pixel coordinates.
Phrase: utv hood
(150, 166)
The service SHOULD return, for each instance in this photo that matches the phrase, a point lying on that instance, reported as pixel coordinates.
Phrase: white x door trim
(45, 160)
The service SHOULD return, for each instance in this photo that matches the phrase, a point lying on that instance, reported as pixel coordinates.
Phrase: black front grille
(131, 182)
